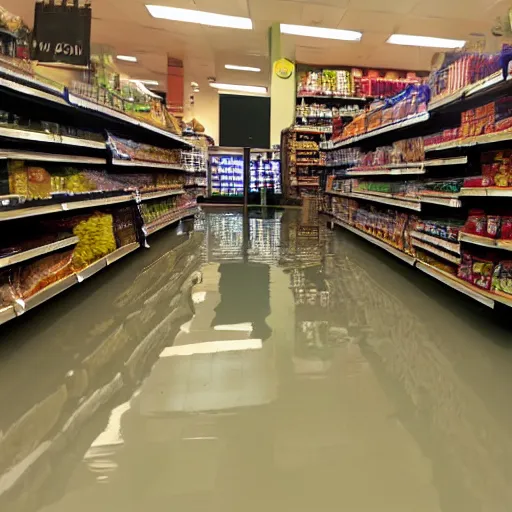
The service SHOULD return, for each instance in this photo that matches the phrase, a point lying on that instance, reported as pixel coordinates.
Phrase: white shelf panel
(418, 118)
(488, 138)
(481, 296)
(451, 202)
(48, 293)
(438, 162)
(434, 250)
(433, 240)
(162, 193)
(13, 133)
(7, 261)
(122, 252)
(155, 165)
(410, 204)
(388, 172)
(505, 245)
(50, 157)
(179, 216)
(383, 245)
(29, 91)
(121, 116)
(22, 213)
(485, 192)
(6, 314)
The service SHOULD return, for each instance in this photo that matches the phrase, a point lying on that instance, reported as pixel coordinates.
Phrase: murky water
(264, 363)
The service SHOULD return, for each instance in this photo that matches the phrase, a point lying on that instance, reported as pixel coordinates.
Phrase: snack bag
(502, 278)
(493, 226)
(39, 183)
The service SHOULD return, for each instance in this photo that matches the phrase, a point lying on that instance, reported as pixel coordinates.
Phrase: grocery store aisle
(265, 363)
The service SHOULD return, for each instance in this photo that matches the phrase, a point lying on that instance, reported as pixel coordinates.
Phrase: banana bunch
(95, 239)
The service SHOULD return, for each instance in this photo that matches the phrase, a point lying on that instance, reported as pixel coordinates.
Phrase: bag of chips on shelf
(502, 278)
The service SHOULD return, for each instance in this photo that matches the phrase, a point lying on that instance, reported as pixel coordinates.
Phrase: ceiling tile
(281, 11)
(452, 9)
(355, 19)
(390, 6)
(322, 16)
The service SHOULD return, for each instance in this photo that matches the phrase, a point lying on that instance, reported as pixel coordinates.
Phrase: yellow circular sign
(283, 68)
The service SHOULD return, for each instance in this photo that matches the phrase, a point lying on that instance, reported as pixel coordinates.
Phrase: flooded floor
(265, 363)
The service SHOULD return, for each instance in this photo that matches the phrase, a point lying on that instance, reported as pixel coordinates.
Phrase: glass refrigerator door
(227, 175)
(266, 173)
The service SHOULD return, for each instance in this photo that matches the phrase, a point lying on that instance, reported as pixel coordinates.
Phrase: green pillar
(282, 90)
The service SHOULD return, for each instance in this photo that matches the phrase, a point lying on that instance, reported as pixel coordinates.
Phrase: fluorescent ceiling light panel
(242, 68)
(127, 58)
(240, 88)
(429, 42)
(323, 33)
(201, 17)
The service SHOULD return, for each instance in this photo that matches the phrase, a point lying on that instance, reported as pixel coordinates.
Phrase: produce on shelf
(23, 281)
(124, 149)
(95, 239)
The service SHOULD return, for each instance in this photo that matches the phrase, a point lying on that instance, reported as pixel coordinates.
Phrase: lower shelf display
(448, 249)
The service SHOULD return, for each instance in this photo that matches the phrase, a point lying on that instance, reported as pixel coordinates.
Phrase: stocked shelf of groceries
(437, 194)
(83, 185)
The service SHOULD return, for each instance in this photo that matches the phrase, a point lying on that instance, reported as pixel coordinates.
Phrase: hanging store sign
(62, 33)
(283, 68)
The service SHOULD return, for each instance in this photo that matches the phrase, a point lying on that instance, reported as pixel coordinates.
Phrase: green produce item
(95, 239)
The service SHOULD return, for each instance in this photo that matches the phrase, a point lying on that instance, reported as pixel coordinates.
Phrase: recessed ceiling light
(240, 88)
(429, 42)
(201, 17)
(242, 68)
(127, 58)
(196, 89)
(194, 84)
(324, 33)
(145, 82)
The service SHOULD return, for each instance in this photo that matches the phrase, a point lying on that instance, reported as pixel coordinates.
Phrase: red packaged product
(476, 223)
(493, 226)
(506, 228)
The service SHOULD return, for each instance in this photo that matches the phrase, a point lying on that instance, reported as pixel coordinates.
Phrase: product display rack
(53, 183)
(443, 189)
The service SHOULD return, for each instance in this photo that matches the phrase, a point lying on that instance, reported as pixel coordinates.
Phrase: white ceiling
(127, 26)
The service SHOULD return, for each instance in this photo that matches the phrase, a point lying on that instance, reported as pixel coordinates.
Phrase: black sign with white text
(62, 33)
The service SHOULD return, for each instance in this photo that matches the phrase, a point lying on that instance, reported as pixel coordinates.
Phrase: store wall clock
(283, 68)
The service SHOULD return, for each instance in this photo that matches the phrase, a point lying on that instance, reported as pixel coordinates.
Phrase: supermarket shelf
(434, 240)
(50, 157)
(314, 130)
(387, 172)
(485, 298)
(30, 80)
(383, 245)
(162, 193)
(155, 165)
(22, 213)
(449, 200)
(32, 93)
(14, 133)
(405, 168)
(7, 314)
(434, 250)
(187, 213)
(324, 97)
(482, 86)
(6, 261)
(416, 119)
(411, 204)
(54, 289)
(438, 162)
(122, 252)
(487, 138)
(86, 104)
(485, 192)
(505, 245)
